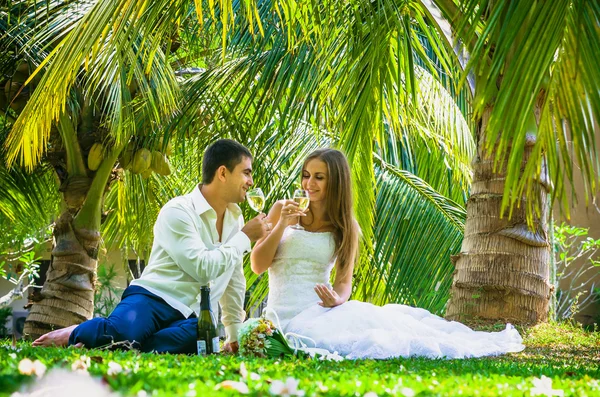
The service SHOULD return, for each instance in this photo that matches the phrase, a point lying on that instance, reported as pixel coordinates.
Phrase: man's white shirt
(186, 254)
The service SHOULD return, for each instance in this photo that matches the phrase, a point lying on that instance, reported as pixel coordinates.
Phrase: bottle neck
(205, 299)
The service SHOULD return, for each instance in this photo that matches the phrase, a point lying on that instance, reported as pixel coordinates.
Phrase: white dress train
(358, 329)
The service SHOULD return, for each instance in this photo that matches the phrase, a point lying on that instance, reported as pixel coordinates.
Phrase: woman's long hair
(339, 206)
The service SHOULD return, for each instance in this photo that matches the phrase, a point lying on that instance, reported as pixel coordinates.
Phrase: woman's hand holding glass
(328, 296)
(290, 213)
(302, 198)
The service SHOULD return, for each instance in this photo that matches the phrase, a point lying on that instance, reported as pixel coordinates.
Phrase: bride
(302, 300)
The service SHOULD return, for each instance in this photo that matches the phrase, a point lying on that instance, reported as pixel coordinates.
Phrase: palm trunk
(502, 271)
(67, 297)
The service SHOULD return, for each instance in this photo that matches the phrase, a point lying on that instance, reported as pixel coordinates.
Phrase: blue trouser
(143, 319)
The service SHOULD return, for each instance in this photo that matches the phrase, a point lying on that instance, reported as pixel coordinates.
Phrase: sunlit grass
(565, 353)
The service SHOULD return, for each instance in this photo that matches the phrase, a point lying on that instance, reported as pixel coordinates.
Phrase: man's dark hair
(222, 152)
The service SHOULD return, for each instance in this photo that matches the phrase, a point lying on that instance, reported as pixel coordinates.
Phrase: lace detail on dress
(302, 260)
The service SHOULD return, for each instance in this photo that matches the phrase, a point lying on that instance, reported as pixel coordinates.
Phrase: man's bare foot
(59, 337)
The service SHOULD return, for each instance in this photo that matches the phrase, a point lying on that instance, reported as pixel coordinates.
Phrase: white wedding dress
(362, 330)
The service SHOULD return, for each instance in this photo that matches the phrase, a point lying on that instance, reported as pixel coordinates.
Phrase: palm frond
(437, 145)
(571, 112)
(29, 203)
(537, 65)
(411, 262)
(362, 90)
(105, 45)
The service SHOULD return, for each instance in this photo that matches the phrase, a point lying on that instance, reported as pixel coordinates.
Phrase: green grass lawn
(566, 354)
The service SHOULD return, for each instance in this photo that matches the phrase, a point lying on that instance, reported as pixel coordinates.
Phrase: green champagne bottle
(208, 339)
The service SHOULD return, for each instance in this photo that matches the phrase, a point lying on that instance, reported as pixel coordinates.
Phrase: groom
(199, 238)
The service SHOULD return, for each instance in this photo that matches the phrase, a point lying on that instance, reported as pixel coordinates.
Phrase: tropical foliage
(576, 271)
(378, 79)
(79, 151)
(28, 203)
(431, 141)
(540, 57)
(23, 268)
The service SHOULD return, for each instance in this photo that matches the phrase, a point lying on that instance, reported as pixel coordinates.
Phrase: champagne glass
(301, 197)
(256, 199)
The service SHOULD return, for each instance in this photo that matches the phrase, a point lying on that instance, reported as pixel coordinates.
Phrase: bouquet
(258, 337)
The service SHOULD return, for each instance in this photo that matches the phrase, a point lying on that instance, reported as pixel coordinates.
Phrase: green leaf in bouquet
(276, 349)
(278, 346)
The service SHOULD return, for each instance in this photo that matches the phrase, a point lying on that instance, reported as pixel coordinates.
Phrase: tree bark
(68, 293)
(502, 271)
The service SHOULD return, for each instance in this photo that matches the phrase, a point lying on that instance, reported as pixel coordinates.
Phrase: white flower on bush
(81, 365)
(543, 387)
(114, 368)
(289, 388)
(28, 367)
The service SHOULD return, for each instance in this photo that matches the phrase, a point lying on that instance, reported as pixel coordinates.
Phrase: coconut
(142, 160)
(160, 164)
(95, 156)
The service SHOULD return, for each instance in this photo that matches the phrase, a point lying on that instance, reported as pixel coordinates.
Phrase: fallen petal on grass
(240, 387)
(543, 387)
(287, 388)
(28, 367)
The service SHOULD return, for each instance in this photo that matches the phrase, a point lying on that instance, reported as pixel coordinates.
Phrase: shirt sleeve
(232, 301)
(181, 240)
(232, 304)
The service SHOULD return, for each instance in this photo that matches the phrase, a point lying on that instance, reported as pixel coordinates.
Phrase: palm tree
(78, 149)
(536, 103)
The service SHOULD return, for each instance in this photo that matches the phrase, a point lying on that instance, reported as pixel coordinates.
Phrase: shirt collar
(201, 205)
